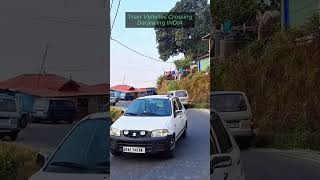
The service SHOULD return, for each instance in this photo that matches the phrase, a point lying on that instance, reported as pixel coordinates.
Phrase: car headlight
(160, 133)
(114, 131)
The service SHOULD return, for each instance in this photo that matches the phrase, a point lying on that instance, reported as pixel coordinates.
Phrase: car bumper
(9, 130)
(242, 133)
(151, 145)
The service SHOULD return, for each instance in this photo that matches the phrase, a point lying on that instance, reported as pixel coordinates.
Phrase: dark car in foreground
(83, 154)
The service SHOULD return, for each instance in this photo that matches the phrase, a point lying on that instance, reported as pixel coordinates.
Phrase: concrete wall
(299, 11)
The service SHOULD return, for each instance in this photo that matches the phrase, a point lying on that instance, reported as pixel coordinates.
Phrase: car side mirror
(221, 161)
(178, 112)
(41, 159)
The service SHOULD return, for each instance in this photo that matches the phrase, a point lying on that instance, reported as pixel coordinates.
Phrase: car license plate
(134, 149)
(233, 125)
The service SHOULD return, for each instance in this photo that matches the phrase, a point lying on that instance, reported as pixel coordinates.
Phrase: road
(266, 164)
(191, 160)
(192, 155)
(43, 137)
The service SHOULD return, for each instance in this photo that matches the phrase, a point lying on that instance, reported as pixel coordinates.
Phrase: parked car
(225, 161)
(150, 125)
(9, 117)
(25, 106)
(83, 154)
(126, 96)
(54, 109)
(183, 96)
(113, 99)
(233, 107)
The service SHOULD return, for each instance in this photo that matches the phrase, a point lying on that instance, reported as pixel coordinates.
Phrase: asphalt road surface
(43, 137)
(267, 164)
(191, 159)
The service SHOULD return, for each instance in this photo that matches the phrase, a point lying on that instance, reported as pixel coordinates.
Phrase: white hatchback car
(225, 162)
(83, 154)
(150, 125)
(234, 109)
(183, 96)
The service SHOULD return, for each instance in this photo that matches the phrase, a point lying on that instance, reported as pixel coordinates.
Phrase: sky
(127, 66)
(75, 31)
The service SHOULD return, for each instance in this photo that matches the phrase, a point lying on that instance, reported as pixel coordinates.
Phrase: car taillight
(252, 124)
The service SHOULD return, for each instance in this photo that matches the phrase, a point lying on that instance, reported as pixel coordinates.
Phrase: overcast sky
(75, 31)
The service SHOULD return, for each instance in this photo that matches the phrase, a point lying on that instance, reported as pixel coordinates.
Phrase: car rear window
(8, 105)
(228, 102)
(181, 93)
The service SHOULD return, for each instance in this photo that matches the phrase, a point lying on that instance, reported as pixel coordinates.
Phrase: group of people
(179, 74)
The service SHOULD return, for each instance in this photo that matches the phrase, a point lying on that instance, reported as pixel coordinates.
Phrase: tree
(183, 63)
(240, 11)
(187, 41)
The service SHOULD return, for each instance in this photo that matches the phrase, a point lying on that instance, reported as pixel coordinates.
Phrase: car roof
(156, 97)
(178, 90)
(97, 115)
(227, 92)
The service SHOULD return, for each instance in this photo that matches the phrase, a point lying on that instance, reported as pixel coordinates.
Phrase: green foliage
(16, 162)
(239, 11)
(187, 41)
(183, 63)
(115, 113)
(160, 80)
(173, 85)
(281, 79)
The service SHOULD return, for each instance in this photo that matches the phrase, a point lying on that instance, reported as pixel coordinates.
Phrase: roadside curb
(202, 110)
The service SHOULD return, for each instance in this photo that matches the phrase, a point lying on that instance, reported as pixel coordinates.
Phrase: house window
(102, 101)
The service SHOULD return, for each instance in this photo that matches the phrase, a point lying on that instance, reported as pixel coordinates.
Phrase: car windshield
(41, 103)
(85, 150)
(228, 103)
(181, 94)
(149, 107)
(112, 94)
(7, 105)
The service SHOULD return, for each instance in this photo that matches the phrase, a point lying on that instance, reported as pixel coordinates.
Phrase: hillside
(282, 80)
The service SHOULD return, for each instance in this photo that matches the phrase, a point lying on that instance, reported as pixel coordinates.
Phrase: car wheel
(184, 134)
(23, 122)
(115, 153)
(171, 152)
(14, 136)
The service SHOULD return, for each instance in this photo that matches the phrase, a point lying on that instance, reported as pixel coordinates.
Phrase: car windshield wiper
(131, 114)
(71, 165)
(149, 114)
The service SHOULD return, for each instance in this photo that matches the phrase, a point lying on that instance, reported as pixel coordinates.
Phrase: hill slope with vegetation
(281, 77)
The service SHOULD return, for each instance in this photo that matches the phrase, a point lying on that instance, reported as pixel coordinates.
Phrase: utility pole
(124, 77)
(42, 71)
(43, 60)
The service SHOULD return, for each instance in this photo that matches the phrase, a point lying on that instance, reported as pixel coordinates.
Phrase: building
(89, 98)
(203, 62)
(295, 13)
(135, 92)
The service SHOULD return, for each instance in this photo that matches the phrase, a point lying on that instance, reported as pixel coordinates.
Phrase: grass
(17, 163)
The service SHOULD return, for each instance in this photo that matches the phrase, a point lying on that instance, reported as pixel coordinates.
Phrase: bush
(17, 162)
(197, 85)
(115, 113)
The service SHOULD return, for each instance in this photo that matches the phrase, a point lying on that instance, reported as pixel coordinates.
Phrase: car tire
(23, 122)
(171, 152)
(14, 136)
(115, 153)
(184, 134)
